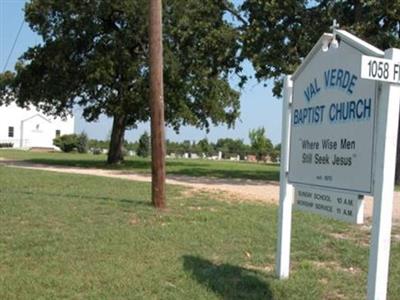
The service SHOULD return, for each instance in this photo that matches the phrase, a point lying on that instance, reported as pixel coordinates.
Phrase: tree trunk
(117, 140)
(397, 176)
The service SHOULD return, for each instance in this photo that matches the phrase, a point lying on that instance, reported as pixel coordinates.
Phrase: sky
(258, 107)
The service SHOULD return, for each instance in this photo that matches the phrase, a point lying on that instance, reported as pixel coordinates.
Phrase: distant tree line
(227, 146)
(260, 146)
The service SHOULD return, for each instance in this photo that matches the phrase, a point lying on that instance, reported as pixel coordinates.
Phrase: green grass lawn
(188, 167)
(87, 237)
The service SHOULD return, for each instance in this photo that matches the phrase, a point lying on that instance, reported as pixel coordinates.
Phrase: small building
(29, 128)
(235, 158)
(266, 159)
(251, 158)
(194, 156)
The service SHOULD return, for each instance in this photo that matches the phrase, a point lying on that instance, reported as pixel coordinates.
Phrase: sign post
(286, 189)
(388, 110)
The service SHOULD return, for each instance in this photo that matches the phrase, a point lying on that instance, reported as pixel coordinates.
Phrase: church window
(10, 131)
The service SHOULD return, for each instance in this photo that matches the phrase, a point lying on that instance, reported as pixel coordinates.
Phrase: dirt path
(230, 189)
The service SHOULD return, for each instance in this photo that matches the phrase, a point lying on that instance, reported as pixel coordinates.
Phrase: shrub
(66, 142)
(6, 145)
(124, 152)
(82, 142)
(97, 151)
(144, 145)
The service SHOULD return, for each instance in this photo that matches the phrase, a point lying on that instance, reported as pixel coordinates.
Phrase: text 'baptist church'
(339, 111)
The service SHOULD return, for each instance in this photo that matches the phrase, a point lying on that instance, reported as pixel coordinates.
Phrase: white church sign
(339, 137)
(332, 126)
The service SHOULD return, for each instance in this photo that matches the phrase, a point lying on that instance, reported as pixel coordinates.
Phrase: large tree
(95, 54)
(276, 35)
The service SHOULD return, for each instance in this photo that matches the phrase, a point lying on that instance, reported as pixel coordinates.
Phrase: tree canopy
(95, 54)
(276, 35)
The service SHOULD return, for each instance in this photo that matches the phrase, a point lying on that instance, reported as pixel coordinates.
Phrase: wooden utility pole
(157, 104)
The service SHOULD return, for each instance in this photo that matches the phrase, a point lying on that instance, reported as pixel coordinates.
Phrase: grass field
(192, 167)
(83, 237)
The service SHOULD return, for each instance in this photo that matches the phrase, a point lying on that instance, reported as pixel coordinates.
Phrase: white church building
(26, 129)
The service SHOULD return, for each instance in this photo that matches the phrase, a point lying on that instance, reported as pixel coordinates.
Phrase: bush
(82, 142)
(124, 152)
(66, 142)
(6, 145)
(144, 145)
(97, 151)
